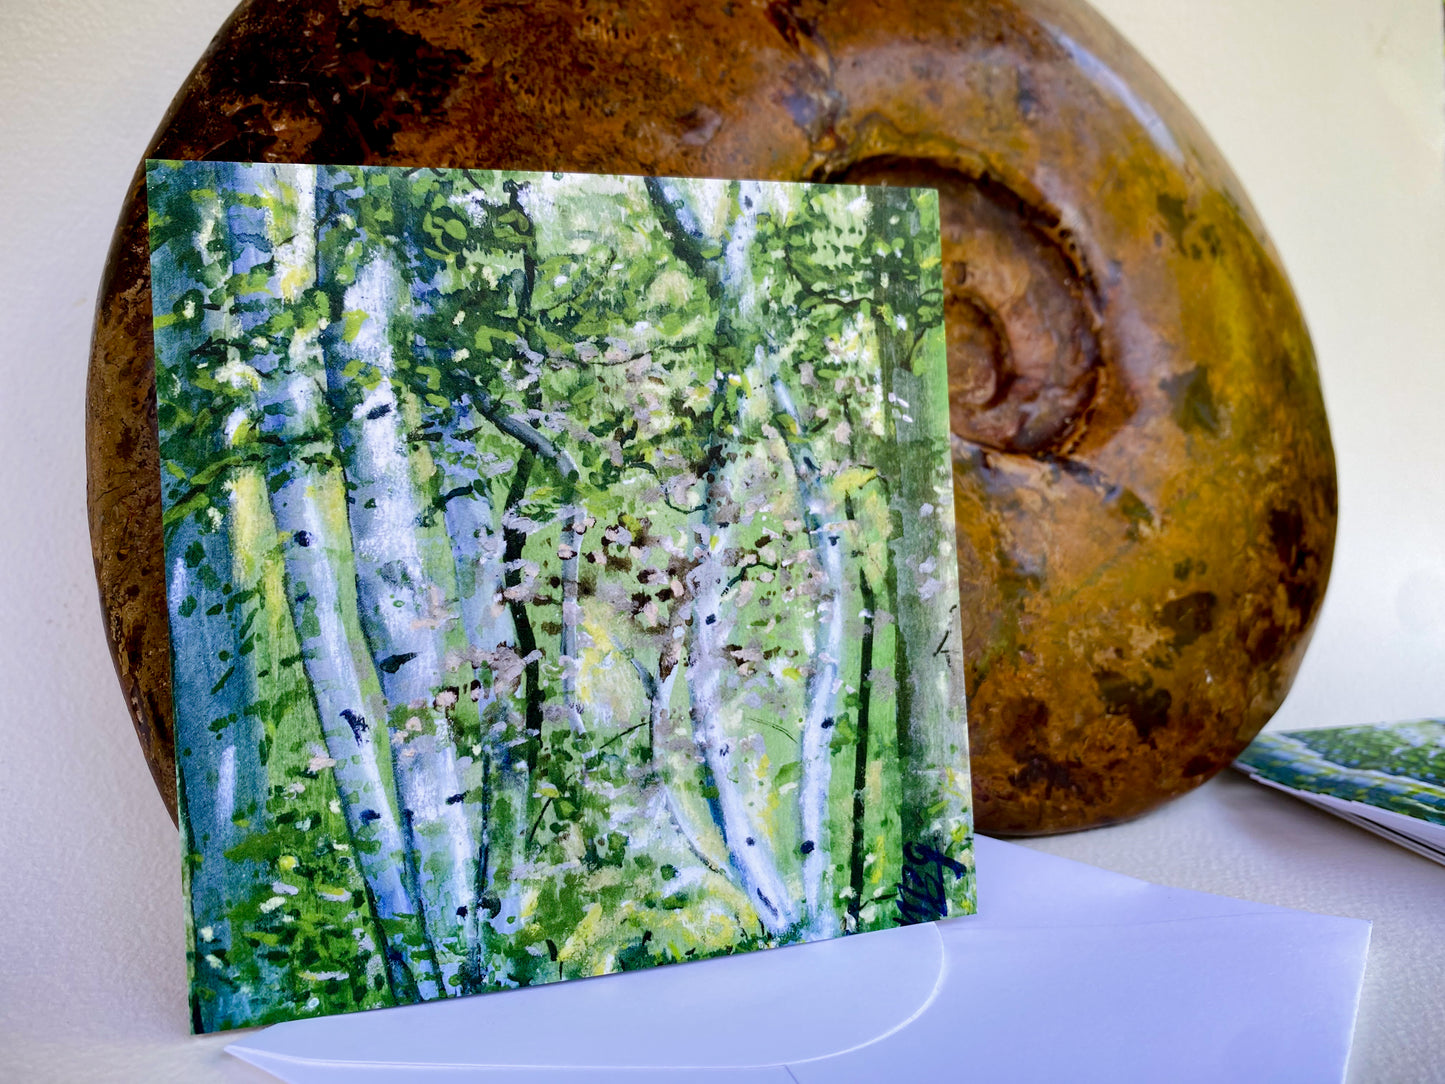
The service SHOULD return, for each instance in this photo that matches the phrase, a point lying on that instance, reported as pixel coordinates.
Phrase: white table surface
(1333, 114)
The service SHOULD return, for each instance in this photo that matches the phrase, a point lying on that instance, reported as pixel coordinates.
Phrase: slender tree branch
(858, 849)
(847, 304)
(686, 233)
(536, 444)
(743, 572)
(584, 289)
(513, 541)
(532, 832)
(650, 469)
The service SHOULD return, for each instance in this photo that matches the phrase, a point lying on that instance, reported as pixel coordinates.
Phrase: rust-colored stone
(1144, 476)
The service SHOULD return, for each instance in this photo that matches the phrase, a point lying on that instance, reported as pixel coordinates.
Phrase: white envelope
(1068, 973)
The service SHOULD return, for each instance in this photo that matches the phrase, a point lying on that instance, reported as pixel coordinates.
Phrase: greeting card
(561, 575)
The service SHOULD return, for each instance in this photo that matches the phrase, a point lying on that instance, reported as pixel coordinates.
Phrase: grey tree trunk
(401, 610)
(936, 812)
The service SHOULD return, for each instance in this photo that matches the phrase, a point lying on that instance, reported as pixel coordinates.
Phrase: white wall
(1331, 112)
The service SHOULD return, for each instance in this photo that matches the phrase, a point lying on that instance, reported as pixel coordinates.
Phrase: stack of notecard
(1388, 778)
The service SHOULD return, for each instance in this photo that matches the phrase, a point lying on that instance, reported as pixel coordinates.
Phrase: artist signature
(923, 890)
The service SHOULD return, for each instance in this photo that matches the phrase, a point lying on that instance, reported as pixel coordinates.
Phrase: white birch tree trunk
(500, 820)
(221, 777)
(824, 522)
(312, 556)
(476, 539)
(291, 410)
(706, 643)
(659, 695)
(401, 610)
(732, 285)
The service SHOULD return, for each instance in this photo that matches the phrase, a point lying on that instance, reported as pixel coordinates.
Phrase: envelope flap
(762, 1009)
(1022, 888)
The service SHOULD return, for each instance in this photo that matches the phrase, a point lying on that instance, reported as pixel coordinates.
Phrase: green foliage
(1412, 750)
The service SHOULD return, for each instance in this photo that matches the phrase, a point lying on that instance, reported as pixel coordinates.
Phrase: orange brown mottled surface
(1143, 471)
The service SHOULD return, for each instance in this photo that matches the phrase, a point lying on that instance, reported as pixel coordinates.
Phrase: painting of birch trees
(560, 573)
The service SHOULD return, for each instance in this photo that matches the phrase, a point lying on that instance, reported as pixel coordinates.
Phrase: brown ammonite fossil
(1144, 477)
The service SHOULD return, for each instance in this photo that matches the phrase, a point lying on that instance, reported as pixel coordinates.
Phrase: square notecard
(560, 572)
